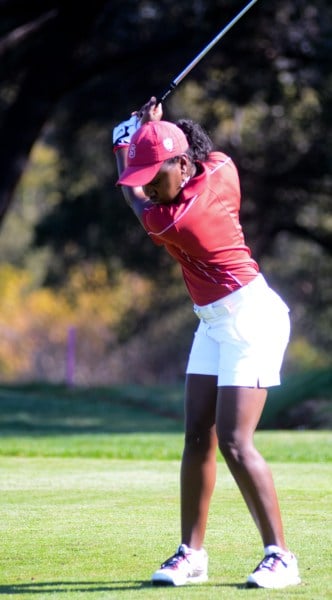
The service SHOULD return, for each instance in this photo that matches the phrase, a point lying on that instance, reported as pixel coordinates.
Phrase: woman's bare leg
(198, 469)
(238, 413)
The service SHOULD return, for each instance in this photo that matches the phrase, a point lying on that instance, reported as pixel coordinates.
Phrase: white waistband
(228, 303)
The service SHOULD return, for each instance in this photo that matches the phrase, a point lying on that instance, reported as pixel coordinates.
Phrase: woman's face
(166, 185)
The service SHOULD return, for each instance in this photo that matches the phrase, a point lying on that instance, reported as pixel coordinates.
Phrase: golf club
(205, 50)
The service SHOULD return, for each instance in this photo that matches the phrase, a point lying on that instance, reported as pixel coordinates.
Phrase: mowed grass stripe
(276, 446)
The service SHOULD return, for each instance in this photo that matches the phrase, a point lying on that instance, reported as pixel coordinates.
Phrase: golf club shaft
(205, 50)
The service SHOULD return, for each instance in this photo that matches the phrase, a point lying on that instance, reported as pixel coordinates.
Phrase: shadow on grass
(58, 410)
(51, 587)
(72, 586)
(43, 409)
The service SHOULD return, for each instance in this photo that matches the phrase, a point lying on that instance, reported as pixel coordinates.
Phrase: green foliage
(42, 317)
(35, 197)
(296, 389)
(265, 96)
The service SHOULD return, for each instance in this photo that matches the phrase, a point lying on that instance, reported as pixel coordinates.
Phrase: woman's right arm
(134, 196)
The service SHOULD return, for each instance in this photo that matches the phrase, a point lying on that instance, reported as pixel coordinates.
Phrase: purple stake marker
(70, 358)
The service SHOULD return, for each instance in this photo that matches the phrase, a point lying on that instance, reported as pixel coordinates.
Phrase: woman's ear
(184, 164)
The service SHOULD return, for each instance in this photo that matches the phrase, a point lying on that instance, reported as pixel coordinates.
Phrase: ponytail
(200, 145)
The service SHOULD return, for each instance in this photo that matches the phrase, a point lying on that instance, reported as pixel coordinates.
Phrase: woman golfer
(187, 198)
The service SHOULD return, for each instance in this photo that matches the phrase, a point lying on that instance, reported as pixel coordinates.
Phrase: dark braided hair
(199, 142)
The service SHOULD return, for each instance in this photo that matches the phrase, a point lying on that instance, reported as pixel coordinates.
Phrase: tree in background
(67, 75)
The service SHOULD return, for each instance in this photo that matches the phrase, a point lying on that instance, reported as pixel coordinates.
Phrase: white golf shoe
(276, 570)
(186, 566)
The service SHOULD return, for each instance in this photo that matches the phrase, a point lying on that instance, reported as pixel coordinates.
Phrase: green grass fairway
(90, 504)
(96, 528)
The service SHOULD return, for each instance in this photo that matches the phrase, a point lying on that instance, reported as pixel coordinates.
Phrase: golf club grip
(162, 97)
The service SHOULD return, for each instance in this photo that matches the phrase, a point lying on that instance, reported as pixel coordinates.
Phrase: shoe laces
(174, 560)
(271, 562)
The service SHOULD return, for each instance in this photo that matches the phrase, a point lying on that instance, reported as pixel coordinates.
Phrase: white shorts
(242, 337)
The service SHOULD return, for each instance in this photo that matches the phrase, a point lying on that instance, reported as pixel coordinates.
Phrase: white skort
(242, 337)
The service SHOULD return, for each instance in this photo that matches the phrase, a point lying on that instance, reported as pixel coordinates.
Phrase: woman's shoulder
(218, 159)
(218, 156)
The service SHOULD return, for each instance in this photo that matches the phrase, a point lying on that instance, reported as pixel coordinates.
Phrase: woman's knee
(201, 441)
(235, 449)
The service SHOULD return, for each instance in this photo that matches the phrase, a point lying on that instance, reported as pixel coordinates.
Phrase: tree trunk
(52, 69)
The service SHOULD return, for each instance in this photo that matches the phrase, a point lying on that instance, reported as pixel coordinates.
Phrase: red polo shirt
(201, 230)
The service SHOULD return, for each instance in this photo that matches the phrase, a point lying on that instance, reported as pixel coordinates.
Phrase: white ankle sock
(273, 550)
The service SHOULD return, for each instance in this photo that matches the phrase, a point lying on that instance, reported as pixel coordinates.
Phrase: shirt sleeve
(157, 220)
